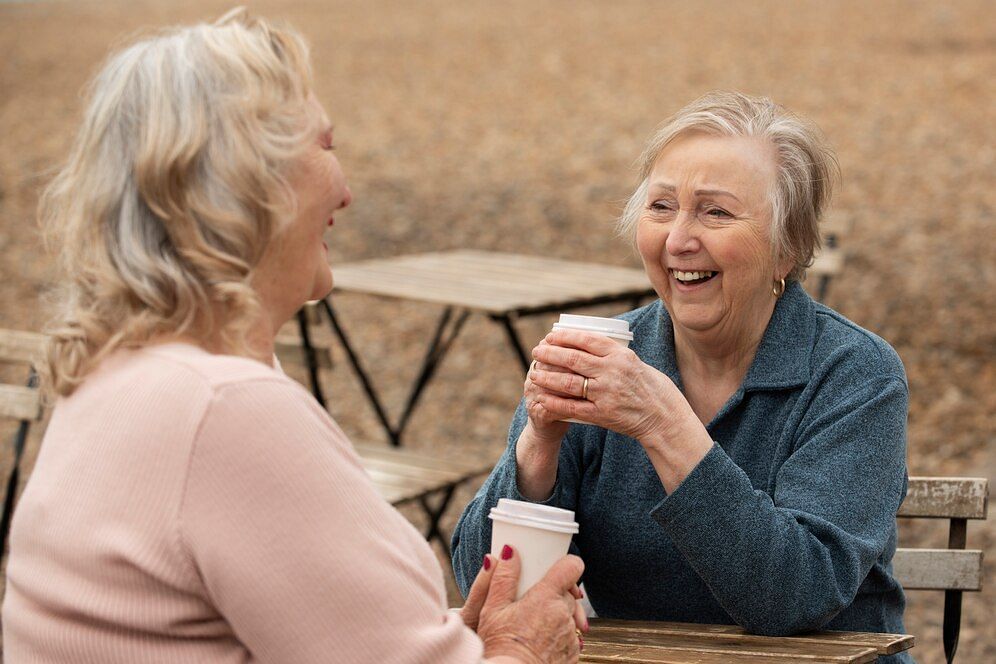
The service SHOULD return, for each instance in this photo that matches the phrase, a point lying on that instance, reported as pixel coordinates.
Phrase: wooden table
(685, 643)
(504, 287)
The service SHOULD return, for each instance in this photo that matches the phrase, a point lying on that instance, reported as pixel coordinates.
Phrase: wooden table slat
(885, 644)
(456, 275)
(458, 282)
(596, 651)
(487, 260)
(608, 653)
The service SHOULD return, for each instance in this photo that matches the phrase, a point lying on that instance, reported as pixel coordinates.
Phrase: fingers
(580, 619)
(560, 408)
(562, 383)
(471, 611)
(504, 581)
(564, 575)
(595, 344)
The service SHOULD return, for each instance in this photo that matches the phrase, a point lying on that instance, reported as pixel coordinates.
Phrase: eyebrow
(670, 188)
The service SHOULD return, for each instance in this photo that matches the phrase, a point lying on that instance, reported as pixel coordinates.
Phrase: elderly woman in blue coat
(747, 453)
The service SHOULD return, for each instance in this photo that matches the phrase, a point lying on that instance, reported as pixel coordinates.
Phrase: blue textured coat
(789, 522)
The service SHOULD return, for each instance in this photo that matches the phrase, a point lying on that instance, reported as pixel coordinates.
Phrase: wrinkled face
(295, 268)
(704, 234)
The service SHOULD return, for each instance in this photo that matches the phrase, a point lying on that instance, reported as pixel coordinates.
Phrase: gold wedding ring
(584, 389)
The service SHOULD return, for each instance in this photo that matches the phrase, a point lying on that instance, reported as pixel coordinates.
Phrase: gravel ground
(513, 126)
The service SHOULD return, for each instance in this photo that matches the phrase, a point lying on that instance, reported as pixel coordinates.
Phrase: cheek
(650, 241)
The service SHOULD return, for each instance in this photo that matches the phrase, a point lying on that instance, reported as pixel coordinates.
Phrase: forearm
(774, 570)
(677, 447)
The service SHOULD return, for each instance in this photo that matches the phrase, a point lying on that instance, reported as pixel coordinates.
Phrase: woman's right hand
(540, 627)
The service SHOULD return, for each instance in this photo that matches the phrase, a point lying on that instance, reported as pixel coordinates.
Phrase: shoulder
(223, 385)
(213, 371)
(846, 349)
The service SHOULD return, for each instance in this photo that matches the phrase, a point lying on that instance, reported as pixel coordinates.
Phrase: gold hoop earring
(778, 288)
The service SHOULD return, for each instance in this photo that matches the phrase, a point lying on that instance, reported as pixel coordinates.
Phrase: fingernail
(506, 552)
(487, 562)
(580, 643)
(586, 624)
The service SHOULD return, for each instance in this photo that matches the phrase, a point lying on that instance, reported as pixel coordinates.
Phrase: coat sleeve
(297, 551)
(790, 560)
(472, 535)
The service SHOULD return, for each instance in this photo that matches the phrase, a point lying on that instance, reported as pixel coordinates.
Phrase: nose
(683, 238)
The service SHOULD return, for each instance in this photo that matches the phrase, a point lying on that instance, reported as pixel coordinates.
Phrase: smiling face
(704, 234)
(295, 267)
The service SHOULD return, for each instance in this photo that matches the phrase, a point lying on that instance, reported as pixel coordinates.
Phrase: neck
(723, 352)
(260, 340)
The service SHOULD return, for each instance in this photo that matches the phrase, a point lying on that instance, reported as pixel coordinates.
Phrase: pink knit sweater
(189, 507)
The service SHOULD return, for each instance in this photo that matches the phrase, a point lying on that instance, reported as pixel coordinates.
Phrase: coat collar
(782, 358)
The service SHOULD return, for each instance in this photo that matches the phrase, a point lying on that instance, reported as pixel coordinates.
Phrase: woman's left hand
(624, 394)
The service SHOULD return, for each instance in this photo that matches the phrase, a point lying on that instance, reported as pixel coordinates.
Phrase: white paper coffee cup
(540, 535)
(613, 328)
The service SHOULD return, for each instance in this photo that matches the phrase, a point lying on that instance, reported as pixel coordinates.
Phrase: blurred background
(514, 126)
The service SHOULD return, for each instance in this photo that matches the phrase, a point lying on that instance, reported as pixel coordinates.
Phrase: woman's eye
(718, 213)
(662, 206)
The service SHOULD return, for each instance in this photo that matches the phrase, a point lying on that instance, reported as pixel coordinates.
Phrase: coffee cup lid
(532, 514)
(610, 327)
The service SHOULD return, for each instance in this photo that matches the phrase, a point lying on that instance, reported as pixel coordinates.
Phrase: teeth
(691, 276)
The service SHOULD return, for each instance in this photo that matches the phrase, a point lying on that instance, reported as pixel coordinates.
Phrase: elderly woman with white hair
(190, 502)
(748, 450)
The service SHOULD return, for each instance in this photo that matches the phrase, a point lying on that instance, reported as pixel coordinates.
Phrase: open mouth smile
(694, 277)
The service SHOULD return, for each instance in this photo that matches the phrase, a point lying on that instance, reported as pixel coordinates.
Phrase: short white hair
(806, 168)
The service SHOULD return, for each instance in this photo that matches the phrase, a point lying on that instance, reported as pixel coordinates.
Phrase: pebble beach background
(514, 126)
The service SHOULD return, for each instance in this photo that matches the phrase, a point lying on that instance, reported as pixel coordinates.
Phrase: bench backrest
(17, 401)
(954, 498)
(954, 569)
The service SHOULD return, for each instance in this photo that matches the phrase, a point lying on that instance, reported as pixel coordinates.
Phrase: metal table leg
(309, 356)
(433, 531)
(446, 332)
(513, 339)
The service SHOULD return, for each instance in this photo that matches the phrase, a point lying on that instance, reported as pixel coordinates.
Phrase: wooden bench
(21, 403)
(403, 476)
(829, 262)
(954, 570)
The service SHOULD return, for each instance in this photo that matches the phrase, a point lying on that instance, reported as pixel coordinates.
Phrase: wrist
(536, 465)
(674, 450)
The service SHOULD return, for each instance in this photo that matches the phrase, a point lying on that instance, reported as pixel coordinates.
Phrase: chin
(322, 286)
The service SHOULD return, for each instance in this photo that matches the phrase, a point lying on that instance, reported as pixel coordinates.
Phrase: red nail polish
(506, 552)
(586, 625)
(487, 563)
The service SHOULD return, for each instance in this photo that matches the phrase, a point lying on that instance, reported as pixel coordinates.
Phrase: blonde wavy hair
(174, 186)
(807, 167)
